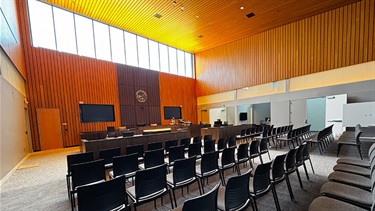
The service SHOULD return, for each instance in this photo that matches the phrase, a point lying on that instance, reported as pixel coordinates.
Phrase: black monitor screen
(243, 116)
(97, 113)
(171, 111)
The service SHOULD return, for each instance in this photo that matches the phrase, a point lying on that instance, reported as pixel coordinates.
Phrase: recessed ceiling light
(158, 15)
(200, 36)
(241, 8)
(197, 16)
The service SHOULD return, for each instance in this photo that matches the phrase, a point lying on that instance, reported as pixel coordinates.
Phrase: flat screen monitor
(243, 116)
(172, 111)
(97, 113)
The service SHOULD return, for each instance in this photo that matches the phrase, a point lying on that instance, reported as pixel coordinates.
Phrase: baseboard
(13, 170)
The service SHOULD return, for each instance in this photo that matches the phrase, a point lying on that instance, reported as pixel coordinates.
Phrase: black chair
(350, 142)
(135, 149)
(183, 175)
(125, 165)
(175, 153)
(150, 184)
(109, 195)
(221, 144)
(197, 139)
(205, 202)
(299, 159)
(290, 167)
(208, 146)
(111, 132)
(208, 167)
(153, 158)
(306, 156)
(227, 161)
(185, 142)
(108, 154)
(260, 183)
(169, 144)
(195, 150)
(207, 137)
(75, 159)
(263, 148)
(231, 141)
(278, 175)
(242, 155)
(235, 195)
(84, 174)
(154, 146)
(254, 151)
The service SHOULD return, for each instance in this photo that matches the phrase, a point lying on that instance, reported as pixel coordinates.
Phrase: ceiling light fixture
(158, 15)
(174, 3)
(200, 36)
(182, 8)
(197, 16)
(241, 8)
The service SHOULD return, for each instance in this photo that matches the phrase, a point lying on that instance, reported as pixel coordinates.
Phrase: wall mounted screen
(243, 116)
(97, 113)
(172, 111)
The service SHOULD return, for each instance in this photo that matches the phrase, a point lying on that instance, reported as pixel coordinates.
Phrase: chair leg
(199, 187)
(275, 198)
(311, 166)
(269, 156)
(174, 197)
(170, 198)
(260, 158)
(289, 188)
(307, 175)
(255, 208)
(299, 178)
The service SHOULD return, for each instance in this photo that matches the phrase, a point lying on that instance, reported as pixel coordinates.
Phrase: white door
(298, 113)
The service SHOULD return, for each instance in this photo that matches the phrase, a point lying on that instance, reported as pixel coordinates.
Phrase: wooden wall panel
(10, 39)
(61, 80)
(334, 39)
(178, 91)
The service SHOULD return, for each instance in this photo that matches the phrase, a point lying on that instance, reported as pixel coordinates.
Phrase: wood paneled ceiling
(183, 22)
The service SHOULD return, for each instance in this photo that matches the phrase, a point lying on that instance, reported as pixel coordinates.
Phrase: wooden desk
(223, 131)
(96, 145)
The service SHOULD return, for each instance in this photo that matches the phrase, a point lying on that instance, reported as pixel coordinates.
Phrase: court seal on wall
(141, 96)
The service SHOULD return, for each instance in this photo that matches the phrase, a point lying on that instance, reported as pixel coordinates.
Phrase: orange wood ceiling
(218, 21)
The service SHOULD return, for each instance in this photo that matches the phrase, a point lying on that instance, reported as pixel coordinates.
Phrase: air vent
(250, 15)
(200, 36)
(158, 15)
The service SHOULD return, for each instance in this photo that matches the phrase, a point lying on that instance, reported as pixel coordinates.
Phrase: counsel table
(96, 145)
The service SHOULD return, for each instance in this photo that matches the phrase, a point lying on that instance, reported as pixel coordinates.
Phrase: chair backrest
(78, 158)
(153, 158)
(277, 168)
(111, 132)
(359, 133)
(205, 202)
(108, 154)
(169, 144)
(248, 131)
(254, 147)
(135, 149)
(290, 160)
(197, 139)
(243, 151)
(184, 169)
(125, 164)
(237, 192)
(263, 145)
(194, 149)
(299, 153)
(102, 196)
(221, 144)
(209, 146)
(261, 181)
(209, 161)
(175, 153)
(231, 141)
(150, 181)
(185, 142)
(306, 153)
(154, 146)
(228, 156)
(243, 132)
(207, 137)
(86, 173)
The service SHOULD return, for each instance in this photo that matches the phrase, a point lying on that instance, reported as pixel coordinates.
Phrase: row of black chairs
(348, 139)
(295, 136)
(350, 186)
(323, 139)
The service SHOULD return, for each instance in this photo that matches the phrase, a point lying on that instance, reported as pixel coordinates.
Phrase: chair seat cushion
(352, 169)
(221, 198)
(350, 179)
(323, 203)
(354, 162)
(347, 193)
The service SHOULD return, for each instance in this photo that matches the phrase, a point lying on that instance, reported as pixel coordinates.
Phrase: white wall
(334, 112)
(261, 111)
(231, 115)
(217, 113)
(14, 144)
(280, 113)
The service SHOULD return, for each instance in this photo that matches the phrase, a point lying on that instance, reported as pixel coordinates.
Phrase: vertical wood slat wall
(178, 91)
(334, 39)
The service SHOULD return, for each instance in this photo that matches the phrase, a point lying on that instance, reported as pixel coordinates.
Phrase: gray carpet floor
(43, 187)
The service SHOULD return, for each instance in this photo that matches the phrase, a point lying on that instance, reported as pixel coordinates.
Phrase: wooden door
(205, 117)
(49, 128)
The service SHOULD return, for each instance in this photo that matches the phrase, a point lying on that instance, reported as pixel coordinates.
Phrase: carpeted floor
(41, 185)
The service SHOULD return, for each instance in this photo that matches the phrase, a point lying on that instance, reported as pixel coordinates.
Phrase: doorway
(49, 128)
